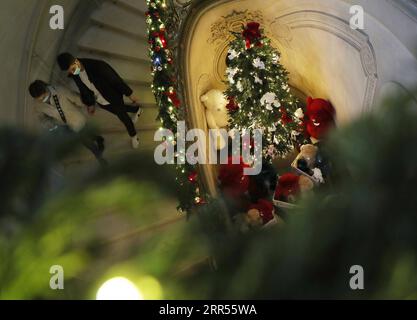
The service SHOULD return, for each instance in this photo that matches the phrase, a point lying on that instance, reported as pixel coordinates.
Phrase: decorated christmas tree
(258, 92)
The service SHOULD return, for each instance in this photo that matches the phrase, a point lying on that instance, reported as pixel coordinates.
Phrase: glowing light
(119, 289)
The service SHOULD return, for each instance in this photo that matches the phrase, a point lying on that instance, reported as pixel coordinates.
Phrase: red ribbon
(193, 176)
(252, 34)
(174, 98)
(232, 106)
(285, 118)
(162, 38)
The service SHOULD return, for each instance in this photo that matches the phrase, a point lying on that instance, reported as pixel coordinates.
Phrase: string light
(164, 88)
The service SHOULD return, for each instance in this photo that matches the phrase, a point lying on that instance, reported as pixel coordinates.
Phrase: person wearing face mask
(99, 84)
(58, 108)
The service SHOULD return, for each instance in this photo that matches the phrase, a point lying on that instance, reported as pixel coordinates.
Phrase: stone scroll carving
(280, 30)
(341, 29)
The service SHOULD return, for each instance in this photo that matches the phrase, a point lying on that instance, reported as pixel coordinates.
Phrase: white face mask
(77, 71)
(46, 99)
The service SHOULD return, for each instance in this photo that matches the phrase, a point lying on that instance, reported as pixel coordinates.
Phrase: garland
(171, 109)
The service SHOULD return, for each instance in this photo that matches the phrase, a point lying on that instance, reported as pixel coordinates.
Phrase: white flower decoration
(233, 54)
(269, 100)
(275, 58)
(299, 113)
(318, 175)
(271, 150)
(258, 63)
(295, 134)
(231, 73)
(258, 80)
(276, 140)
(239, 86)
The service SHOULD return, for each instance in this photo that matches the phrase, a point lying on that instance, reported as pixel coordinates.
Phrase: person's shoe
(100, 144)
(135, 142)
(103, 162)
(137, 115)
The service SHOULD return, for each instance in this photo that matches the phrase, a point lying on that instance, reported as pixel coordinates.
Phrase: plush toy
(217, 114)
(320, 117)
(306, 160)
(291, 185)
(233, 182)
(260, 213)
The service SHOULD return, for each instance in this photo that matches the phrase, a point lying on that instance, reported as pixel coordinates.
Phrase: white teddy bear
(216, 113)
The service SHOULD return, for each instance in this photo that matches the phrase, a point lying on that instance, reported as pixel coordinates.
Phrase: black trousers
(93, 143)
(121, 111)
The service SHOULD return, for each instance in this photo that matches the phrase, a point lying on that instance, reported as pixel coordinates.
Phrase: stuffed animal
(217, 114)
(320, 117)
(260, 213)
(291, 185)
(233, 182)
(306, 160)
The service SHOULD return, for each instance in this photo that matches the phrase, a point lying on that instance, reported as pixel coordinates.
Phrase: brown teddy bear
(306, 160)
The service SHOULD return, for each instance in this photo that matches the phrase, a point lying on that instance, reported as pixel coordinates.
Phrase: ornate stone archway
(325, 57)
(207, 32)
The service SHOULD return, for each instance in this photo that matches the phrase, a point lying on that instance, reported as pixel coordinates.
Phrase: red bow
(162, 37)
(285, 118)
(232, 106)
(252, 34)
(193, 176)
(174, 98)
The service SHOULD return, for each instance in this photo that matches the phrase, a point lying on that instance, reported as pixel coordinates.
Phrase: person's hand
(134, 99)
(91, 110)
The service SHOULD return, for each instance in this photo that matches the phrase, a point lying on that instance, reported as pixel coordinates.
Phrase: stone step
(120, 143)
(138, 6)
(117, 144)
(144, 93)
(128, 70)
(141, 89)
(106, 121)
(117, 18)
(107, 42)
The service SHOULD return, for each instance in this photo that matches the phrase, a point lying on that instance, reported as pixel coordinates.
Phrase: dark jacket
(105, 79)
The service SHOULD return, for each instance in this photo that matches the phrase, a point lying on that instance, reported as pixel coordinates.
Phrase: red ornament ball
(193, 177)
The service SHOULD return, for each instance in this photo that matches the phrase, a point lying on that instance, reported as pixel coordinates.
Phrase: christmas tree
(258, 92)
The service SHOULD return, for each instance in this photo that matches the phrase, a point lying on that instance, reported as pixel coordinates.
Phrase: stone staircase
(117, 34)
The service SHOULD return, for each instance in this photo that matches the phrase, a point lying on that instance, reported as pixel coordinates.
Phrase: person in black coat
(99, 84)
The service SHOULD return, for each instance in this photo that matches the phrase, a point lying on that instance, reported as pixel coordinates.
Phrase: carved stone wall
(325, 57)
